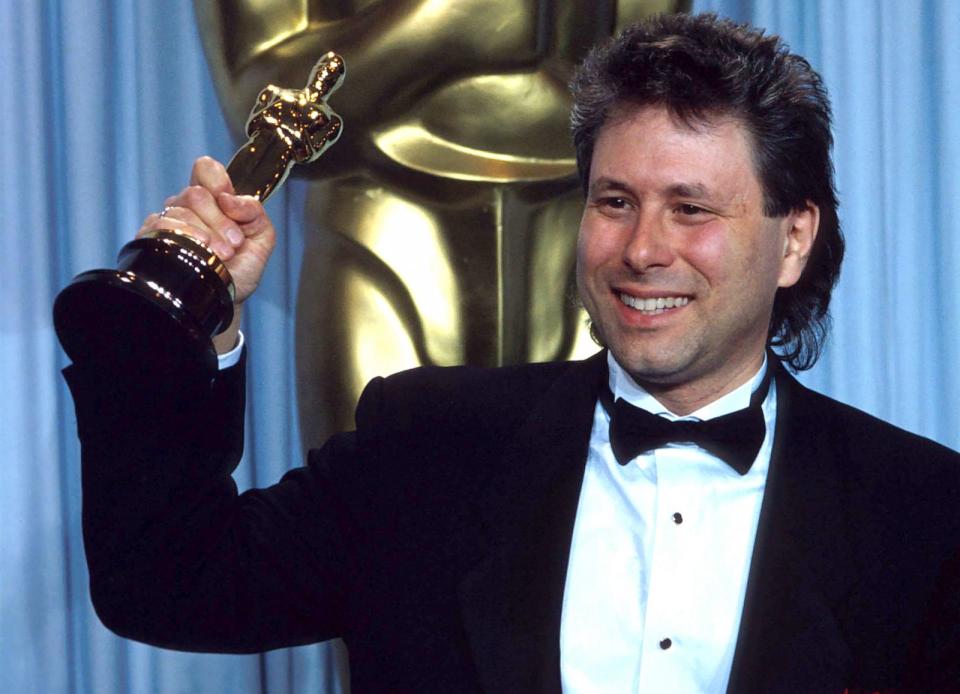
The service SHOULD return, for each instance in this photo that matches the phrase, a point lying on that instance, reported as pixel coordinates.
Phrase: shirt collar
(623, 386)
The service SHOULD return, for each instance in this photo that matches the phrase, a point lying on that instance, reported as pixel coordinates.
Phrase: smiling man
(676, 514)
(678, 262)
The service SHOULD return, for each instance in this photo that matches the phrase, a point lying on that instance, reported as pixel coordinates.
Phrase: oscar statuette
(170, 294)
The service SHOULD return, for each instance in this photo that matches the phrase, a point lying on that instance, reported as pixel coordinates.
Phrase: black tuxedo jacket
(434, 539)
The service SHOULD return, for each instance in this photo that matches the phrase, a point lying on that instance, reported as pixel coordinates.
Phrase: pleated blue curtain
(105, 105)
(893, 72)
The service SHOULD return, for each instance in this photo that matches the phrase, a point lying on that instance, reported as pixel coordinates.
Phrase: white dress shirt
(228, 359)
(660, 556)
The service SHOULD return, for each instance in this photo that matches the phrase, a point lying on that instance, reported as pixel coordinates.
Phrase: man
(527, 529)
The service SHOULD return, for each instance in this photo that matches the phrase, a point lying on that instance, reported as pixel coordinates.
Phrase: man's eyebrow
(677, 190)
(607, 183)
(688, 190)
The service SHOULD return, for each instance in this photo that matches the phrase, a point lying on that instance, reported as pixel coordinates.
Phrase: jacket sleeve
(176, 557)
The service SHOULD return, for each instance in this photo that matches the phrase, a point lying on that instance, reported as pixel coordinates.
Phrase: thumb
(243, 209)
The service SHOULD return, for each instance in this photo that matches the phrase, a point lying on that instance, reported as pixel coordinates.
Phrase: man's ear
(801, 231)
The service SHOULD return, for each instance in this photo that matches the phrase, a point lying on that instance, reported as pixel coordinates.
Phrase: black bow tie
(734, 438)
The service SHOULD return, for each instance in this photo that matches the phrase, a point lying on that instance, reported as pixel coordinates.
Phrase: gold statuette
(170, 294)
(287, 127)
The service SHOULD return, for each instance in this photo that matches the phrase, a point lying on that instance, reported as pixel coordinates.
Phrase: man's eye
(613, 203)
(613, 206)
(690, 210)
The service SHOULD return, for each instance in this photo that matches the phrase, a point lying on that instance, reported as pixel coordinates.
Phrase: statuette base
(165, 301)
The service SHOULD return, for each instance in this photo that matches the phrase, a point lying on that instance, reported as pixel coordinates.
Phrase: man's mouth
(653, 306)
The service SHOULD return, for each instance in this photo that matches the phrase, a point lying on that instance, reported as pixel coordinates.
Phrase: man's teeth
(654, 306)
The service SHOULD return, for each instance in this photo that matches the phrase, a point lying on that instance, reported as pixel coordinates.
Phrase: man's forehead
(694, 120)
(714, 149)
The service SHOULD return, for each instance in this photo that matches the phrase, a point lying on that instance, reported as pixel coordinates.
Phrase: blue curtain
(893, 72)
(106, 105)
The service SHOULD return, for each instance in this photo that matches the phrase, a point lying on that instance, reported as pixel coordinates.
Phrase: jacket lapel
(790, 639)
(511, 601)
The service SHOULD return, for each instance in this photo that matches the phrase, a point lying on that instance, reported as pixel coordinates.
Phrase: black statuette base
(158, 310)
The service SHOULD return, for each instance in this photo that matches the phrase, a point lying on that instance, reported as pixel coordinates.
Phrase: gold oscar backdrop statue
(442, 228)
(170, 294)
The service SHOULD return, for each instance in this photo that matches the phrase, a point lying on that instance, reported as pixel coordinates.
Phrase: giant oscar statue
(442, 227)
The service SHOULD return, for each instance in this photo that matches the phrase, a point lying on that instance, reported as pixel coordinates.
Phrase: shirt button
(665, 644)
(677, 518)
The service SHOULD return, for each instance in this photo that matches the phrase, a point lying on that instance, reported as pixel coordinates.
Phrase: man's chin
(665, 367)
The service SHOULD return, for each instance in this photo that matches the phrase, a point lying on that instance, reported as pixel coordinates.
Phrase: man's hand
(235, 227)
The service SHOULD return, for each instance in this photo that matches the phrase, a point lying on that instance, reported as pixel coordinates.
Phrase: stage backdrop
(106, 105)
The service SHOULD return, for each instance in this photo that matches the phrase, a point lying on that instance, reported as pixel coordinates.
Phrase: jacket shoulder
(883, 466)
(488, 401)
(856, 430)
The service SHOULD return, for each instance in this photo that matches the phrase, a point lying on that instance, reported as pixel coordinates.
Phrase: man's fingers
(235, 227)
(181, 219)
(212, 175)
(245, 210)
(185, 215)
(197, 206)
(147, 224)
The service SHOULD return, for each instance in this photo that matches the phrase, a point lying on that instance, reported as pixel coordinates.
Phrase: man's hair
(700, 67)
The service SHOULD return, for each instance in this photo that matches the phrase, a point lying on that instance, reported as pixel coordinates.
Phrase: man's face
(676, 263)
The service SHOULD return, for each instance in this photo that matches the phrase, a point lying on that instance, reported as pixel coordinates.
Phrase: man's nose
(649, 245)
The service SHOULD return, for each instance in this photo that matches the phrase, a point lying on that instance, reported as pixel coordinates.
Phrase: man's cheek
(710, 253)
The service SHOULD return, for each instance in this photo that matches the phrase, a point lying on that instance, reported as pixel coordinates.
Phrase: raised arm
(177, 558)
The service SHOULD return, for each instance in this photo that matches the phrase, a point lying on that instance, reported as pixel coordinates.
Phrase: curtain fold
(893, 73)
(106, 105)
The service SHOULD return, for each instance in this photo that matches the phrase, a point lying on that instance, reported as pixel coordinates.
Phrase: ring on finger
(165, 210)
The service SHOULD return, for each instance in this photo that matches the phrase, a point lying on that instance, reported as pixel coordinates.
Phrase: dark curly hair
(700, 67)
